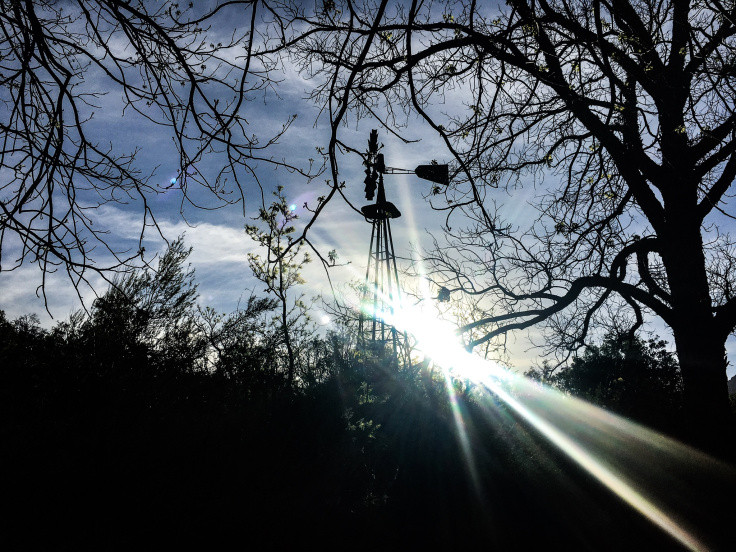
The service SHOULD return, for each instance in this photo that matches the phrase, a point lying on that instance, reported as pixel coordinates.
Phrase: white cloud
(218, 257)
(21, 294)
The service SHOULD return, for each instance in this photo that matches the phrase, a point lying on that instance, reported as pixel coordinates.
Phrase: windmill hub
(374, 211)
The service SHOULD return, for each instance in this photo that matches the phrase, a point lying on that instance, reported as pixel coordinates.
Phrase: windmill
(382, 291)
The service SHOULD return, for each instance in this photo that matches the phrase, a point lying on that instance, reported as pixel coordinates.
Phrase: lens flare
(647, 470)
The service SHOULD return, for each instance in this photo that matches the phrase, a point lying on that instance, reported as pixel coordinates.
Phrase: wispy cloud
(219, 257)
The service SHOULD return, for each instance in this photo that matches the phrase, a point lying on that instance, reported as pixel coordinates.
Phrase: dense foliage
(152, 416)
(630, 376)
(593, 160)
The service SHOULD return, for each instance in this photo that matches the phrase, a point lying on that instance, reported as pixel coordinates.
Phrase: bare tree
(616, 118)
(280, 270)
(169, 68)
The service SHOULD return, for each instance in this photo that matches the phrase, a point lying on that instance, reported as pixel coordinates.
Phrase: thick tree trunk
(708, 418)
(699, 342)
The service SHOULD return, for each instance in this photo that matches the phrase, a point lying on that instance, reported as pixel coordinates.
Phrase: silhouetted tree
(619, 114)
(636, 378)
(150, 315)
(167, 64)
(280, 269)
(241, 339)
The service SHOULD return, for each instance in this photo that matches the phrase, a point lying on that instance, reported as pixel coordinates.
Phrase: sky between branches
(219, 243)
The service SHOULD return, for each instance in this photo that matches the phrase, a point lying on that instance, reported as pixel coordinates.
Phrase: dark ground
(102, 451)
(112, 473)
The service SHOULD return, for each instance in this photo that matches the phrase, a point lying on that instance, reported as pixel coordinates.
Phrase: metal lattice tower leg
(382, 292)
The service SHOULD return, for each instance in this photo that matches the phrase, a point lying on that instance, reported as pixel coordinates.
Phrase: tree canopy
(178, 69)
(634, 377)
(614, 119)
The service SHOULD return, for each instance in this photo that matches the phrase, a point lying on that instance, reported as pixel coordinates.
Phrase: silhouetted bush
(636, 378)
(149, 418)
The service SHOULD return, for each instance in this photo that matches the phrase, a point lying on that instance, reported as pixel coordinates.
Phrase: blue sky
(219, 243)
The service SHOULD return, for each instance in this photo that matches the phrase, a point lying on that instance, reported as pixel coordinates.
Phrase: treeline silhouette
(636, 378)
(152, 422)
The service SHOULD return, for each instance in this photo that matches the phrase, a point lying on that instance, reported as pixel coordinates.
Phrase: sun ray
(645, 469)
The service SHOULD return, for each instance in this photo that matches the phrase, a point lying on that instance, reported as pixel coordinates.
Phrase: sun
(619, 453)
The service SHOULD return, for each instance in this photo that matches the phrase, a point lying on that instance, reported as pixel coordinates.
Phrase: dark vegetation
(616, 118)
(149, 415)
(150, 422)
(633, 377)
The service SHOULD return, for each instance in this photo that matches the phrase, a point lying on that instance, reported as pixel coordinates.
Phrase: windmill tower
(382, 291)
